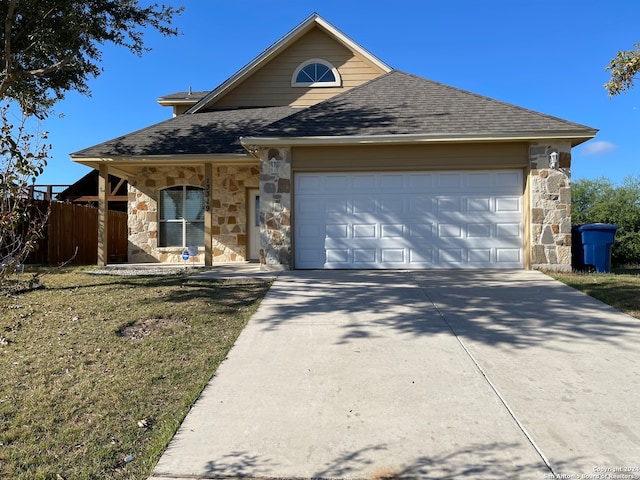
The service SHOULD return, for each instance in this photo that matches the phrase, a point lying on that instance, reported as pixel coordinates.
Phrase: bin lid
(598, 226)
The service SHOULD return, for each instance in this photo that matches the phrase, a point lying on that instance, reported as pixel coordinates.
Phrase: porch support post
(103, 215)
(208, 220)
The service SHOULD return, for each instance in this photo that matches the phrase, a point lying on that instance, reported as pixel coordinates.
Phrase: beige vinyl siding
(410, 157)
(180, 109)
(271, 84)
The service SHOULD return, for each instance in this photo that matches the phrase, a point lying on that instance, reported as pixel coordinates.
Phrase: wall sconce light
(553, 160)
(274, 165)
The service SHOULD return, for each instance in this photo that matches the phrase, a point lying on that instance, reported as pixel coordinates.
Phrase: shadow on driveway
(426, 374)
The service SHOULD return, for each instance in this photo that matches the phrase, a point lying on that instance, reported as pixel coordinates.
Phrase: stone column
(275, 207)
(550, 207)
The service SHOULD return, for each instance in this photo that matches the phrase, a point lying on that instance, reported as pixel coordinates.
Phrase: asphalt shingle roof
(395, 103)
(203, 133)
(195, 96)
(399, 103)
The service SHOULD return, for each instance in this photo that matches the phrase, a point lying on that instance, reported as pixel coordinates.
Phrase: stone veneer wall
(229, 186)
(550, 204)
(550, 197)
(275, 208)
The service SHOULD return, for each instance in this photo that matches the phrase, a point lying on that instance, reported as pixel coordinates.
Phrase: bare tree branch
(8, 67)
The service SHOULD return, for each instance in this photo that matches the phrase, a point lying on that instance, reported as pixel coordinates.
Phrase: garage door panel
(361, 231)
(480, 256)
(449, 181)
(450, 256)
(312, 205)
(364, 255)
(479, 204)
(310, 256)
(480, 180)
(337, 231)
(420, 182)
(422, 256)
(337, 255)
(478, 230)
(363, 183)
(508, 256)
(391, 206)
(509, 178)
(392, 255)
(335, 183)
(364, 205)
(409, 220)
(421, 231)
(449, 204)
(336, 205)
(449, 230)
(392, 181)
(310, 231)
(419, 205)
(310, 184)
(508, 205)
(508, 230)
(392, 231)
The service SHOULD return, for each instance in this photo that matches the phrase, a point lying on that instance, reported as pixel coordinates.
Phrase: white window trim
(334, 70)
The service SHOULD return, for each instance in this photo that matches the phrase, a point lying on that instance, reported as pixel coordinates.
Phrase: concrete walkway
(434, 374)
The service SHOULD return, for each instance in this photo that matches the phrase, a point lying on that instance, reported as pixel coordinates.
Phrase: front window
(181, 217)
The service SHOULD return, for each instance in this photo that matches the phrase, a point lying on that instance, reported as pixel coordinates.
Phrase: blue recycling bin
(597, 240)
(577, 249)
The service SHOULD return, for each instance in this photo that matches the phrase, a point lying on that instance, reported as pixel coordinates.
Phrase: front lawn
(620, 289)
(99, 371)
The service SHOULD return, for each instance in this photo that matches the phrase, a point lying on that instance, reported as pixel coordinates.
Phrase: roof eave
(576, 137)
(166, 103)
(184, 159)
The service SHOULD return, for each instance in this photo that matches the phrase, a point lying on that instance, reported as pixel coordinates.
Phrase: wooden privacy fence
(72, 225)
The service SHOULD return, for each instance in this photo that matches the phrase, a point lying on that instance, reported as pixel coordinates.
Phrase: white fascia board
(351, 45)
(579, 136)
(181, 101)
(232, 158)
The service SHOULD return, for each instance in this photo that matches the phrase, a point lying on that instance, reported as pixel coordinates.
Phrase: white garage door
(449, 219)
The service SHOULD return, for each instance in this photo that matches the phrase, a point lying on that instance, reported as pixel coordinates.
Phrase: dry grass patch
(619, 289)
(99, 371)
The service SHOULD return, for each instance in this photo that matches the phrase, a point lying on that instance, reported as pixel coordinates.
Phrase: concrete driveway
(430, 374)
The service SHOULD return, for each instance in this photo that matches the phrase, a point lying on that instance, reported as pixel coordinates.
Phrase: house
(317, 154)
(85, 192)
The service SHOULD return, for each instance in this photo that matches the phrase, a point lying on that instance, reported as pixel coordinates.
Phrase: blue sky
(545, 55)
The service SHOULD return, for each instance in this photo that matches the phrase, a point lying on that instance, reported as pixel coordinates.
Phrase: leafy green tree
(624, 68)
(600, 201)
(48, 48)
(586, 194)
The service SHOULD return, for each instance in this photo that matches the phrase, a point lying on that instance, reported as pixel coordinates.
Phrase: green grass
(620, 289)
(99, 368)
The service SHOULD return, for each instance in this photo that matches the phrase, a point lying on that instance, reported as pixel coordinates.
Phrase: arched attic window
(316, 73)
